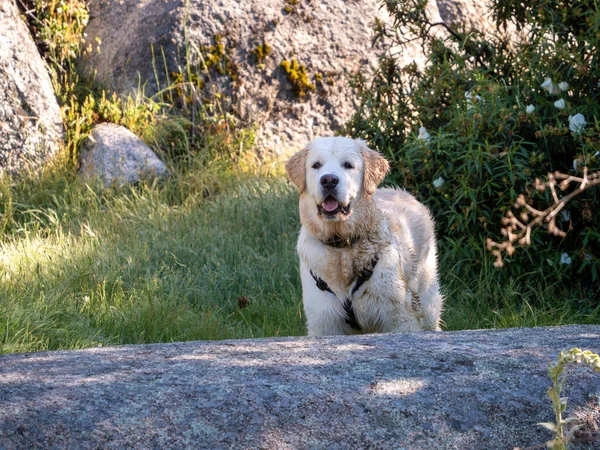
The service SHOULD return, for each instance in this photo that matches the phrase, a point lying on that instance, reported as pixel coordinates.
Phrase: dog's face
(335, 174)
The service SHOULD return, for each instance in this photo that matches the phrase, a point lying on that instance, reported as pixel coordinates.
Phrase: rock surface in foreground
(465, 390)
(31, 129)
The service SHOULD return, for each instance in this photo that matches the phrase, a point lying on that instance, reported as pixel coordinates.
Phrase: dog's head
(335, 174)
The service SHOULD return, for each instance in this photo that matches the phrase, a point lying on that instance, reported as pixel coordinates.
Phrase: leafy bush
(488, 114)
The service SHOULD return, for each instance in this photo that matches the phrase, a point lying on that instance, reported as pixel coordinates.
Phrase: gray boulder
(450, 390)
(331, 39)
(31, 129)
(116, 155)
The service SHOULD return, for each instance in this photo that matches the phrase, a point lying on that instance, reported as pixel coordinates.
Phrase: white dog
(367, 255)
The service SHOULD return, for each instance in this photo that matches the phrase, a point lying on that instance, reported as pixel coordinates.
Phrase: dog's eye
(348, 165)
(316, 165)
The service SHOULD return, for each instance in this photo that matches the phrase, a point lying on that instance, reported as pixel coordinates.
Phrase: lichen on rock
(297, 75)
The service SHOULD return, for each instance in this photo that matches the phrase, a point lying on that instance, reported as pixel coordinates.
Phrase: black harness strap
(363, 276)
(350, 316)
(320, 283)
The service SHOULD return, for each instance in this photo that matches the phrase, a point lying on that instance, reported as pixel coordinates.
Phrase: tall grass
(132, 266)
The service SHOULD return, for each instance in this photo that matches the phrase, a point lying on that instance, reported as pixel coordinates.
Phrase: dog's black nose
(329, 181)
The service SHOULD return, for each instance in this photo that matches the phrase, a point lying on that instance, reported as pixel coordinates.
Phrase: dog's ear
(376, 168)
(296, 168)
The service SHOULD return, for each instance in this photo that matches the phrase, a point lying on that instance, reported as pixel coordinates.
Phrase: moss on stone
(261, 52)
(217, 57)
(212, 58)
(296, 74)
(291, 7)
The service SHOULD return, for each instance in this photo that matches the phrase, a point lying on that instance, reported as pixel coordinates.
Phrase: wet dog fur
(385, 228)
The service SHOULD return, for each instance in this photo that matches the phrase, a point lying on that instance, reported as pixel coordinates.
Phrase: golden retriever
(368, 258)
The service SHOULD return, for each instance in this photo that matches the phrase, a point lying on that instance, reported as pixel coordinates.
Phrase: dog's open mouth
(331, 207)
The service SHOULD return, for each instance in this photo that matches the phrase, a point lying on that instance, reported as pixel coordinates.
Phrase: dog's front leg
(324, 312)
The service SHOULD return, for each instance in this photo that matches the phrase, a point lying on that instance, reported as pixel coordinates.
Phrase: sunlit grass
(480, 297)
(132, 268)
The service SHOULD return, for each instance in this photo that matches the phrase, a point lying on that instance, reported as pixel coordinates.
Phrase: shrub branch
(518, 229)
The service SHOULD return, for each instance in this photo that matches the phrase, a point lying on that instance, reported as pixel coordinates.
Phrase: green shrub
(58, 27)
(462, 136)
(562, 437)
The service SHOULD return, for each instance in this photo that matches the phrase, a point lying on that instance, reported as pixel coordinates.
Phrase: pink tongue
(330, 205)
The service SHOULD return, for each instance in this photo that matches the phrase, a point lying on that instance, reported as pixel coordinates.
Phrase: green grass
(480, 296)
(130, 267)
(80, 267)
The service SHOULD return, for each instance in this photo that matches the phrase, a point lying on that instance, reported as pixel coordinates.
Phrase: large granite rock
(462, 390)
(116, 155)
(31, 129)
(332, 39)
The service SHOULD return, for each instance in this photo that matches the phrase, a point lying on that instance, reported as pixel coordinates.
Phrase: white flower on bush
(563, 86)
(577, 123)
(560, 103)
(438, 182)
(469, 97)
(565, 259)
(566, 215)
(575, 164)
(530, 109)
(550, 86)
(423, 134)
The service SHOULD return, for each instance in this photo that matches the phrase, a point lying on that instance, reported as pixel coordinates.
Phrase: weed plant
(565, 430)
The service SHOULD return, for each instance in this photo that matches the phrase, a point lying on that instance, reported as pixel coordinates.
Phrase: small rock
(116, 155)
